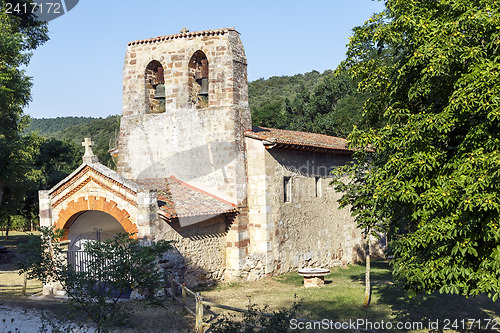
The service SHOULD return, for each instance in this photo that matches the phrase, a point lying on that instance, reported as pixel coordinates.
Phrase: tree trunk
(368, 287)
(1, 192)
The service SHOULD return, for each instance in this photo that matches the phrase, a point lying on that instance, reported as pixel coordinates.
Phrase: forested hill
(312, 102)
(46, 126)
(277, 88)
(103, 131)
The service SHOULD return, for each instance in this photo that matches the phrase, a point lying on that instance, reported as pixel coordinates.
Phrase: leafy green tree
(434, 171)
(20, 33)
(112, 268)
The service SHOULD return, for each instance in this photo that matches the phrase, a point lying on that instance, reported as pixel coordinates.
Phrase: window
(317, 183)
(287, 189)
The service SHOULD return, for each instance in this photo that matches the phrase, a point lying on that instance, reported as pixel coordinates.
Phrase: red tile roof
(278, 138)
(183, 35)
(179, 199)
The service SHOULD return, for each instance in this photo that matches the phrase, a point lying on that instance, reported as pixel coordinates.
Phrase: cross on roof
(89, 156)
(184, 30)
(87, 143)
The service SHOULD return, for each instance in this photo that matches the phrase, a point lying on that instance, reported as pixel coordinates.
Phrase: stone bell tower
(185, 109)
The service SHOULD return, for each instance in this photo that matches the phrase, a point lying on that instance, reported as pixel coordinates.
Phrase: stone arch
(155, 86)
(198, 79)
(74, 208)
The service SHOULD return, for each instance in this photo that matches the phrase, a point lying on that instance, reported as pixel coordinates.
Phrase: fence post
(184, 294)
(172, 288)
(24, 283)
(199, 313)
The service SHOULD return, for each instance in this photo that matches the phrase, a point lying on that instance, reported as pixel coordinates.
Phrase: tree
(111, 269)
(20, 33)
(433, 175)
(359, 197)
(17, 176)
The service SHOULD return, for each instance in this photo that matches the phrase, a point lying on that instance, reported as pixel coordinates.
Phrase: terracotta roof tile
(278, 138)
(179, 199)
(183, 35)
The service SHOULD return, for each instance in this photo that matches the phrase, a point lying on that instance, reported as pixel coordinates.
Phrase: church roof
(185, 34)
(97, 167)
(278, 138)
(179, 199)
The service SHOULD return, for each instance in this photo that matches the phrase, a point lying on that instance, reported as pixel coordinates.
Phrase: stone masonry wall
(309, 230)
(199, 254)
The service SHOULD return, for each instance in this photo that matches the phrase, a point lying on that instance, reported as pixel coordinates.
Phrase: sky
(78, 72)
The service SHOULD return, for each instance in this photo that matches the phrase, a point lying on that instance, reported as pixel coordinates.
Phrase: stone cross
(89, 156)
(184, 30)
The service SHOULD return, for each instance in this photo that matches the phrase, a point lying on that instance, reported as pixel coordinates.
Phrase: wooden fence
(198, 312)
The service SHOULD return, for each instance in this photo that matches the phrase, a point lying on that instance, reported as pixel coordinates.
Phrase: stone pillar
(237, 245)
(147, 214)
(45, 208)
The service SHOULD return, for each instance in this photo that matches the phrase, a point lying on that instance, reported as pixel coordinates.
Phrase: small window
(287, 189)
(317, 182)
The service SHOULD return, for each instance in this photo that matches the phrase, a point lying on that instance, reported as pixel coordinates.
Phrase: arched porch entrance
(92, 225)
(86, 213)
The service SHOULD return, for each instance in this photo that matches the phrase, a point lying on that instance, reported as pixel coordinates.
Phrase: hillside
(46, 126)
(104, 134)
(278, 88)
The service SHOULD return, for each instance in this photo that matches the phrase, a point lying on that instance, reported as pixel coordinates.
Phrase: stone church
(238, 202)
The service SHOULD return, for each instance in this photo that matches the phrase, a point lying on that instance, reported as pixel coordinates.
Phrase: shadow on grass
(443, 308)
(12, 244)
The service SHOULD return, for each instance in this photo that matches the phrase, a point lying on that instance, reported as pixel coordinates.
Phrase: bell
(160, 91)
(204, 87)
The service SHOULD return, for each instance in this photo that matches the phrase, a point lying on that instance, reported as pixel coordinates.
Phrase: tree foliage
(20, 33)
(433, 173)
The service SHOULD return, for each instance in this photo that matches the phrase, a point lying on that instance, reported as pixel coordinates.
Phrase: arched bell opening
(155, 87)
(199, 79)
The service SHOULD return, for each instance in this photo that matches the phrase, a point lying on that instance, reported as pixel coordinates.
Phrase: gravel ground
(26, 320)
(19, 320)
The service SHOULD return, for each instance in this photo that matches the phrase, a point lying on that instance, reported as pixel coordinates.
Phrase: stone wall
(199, 254)
(309, 230)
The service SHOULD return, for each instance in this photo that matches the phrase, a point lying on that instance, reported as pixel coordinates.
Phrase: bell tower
(185, 109)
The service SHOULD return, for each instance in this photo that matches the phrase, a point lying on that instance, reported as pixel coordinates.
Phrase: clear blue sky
(78, 72)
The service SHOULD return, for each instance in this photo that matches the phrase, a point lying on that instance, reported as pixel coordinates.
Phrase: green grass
(341, 298)
(10, 281)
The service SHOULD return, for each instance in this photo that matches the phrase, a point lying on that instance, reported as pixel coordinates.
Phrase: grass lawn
(10, 280)
(342, 297)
